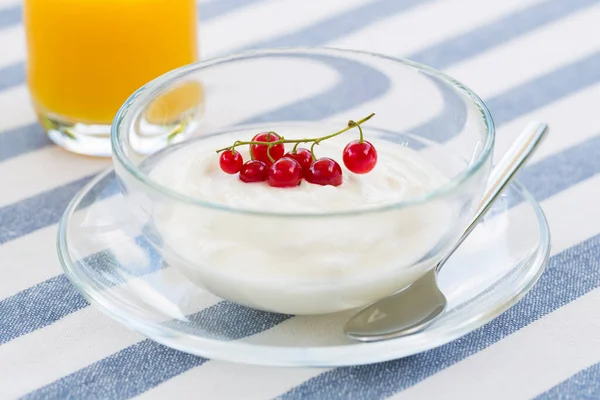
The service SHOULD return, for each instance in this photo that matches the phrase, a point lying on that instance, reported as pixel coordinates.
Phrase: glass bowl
(104, 254)
(305, 262)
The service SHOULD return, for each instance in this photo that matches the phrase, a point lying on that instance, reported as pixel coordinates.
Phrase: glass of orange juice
(86, 57)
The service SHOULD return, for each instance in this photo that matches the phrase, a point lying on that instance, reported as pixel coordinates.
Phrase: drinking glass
(85, 57)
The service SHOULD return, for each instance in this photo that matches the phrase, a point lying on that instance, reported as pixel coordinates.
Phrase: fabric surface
(528, 59)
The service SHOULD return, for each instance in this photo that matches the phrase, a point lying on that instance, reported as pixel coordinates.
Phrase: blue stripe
(446, 124)
(10, 16)
(218, 8)
(144, 365)
(22, 140)
(135, 365)
(29, 310)
(106, 187)
(497, 32)
(12, 75)
(541, 91)
(561, 171)
(230, 321)
(569, 275)
(585, 385)
(557, 169)
(37, 212)
(101, 266)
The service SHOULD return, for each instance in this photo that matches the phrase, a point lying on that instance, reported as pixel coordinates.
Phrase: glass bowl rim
(158, 83)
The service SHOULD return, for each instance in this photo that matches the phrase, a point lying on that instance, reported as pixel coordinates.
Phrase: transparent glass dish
(106, 256)
(316, 90)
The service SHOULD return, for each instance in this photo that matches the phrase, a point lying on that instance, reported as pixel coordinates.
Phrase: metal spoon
(415, 307)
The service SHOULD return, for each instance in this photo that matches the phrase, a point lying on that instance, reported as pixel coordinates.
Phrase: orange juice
(85, 57)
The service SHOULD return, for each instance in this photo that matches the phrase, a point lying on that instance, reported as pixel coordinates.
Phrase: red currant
(324, 171)
(254, 171)
(303, 156)
(285, 172)
(231, 161)
(260, 150)
(360, 158)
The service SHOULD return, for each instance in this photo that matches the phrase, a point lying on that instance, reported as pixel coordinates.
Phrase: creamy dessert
(256, 245)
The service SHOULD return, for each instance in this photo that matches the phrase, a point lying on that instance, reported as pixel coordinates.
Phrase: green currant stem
(295, 148)
(312, 150)
(360, 139)
(351, 124)
(269, 154)
(249, 149)
(269, 146)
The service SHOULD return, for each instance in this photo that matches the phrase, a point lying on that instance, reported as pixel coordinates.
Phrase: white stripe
(16, 108)
(568, 119)
(12, 43)
(539, 51)
(43, 170)
(8, 3)
(573, 218)
(547, 351)
(417, 28)
(27, 363)
(266, 20)
(34, 253)
(232, 381)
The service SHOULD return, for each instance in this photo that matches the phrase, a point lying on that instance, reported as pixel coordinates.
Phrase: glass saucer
(104, 254)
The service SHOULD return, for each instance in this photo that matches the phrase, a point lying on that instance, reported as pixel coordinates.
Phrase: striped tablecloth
(527, 58)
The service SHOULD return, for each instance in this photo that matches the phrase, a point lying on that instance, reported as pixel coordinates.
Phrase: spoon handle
(501, 174)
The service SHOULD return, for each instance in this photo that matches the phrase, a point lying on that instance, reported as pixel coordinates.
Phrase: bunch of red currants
(270, 162)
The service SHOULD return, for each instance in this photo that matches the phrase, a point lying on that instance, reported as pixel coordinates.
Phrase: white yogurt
(298, 264)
